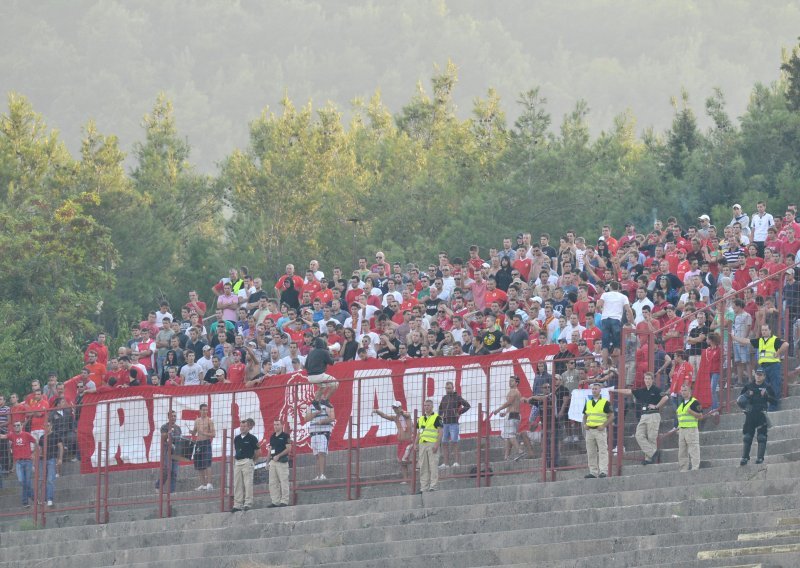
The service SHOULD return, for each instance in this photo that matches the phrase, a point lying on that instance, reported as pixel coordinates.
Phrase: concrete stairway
(719, 515)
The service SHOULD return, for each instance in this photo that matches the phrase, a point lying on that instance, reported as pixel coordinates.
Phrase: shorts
(510, 428)
(741, 353)
(319, 443)
(450, 433)
(612, 330)
(404, 451)
(202, 454)
(321, 379)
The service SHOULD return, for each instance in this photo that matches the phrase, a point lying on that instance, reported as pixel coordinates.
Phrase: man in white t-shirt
(191, 372)
(760, 223)
(612, 305)
(641, 301)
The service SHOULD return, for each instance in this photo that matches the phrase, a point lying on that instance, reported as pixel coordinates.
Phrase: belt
(320, 434)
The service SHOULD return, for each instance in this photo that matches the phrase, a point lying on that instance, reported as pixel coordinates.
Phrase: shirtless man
(510, 410)
(204, 430)
(405, 435)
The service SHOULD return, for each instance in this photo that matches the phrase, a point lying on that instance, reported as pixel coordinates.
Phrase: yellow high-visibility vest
(595, 413)
(686, 420)
(429, 434)
(766, 350)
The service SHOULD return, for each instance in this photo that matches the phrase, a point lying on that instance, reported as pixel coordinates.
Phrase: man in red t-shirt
(674, 332)
(38, 407)
(100, 349)
(22, 445)
(682, 373)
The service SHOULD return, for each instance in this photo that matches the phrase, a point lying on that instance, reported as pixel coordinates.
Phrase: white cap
(335, 346)
(737, 206)
(704, 218)
(536, 299)
(220, 373)
(397, 404)
(485, 265)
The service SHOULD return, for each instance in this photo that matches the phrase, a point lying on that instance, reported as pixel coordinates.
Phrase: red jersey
(581, 307)
(298, 283)
(673, 344)
(236, 373)
(21, 445)
(39, 416)
(96, 372)
(473, 264)
(754, 262)
(591, 334)
(19, 413)
(682, 374)
(496, 295)
(324, 296)
(524, 267)
(148, 360)
(100, 349)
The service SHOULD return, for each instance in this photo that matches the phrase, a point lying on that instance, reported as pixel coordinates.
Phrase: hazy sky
(223, 61)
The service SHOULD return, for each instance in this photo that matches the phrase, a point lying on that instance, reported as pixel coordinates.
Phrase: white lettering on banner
(126, 433)
(378, 386)
(473, 389)
(578, 400)
(298, 399)
(415, 383)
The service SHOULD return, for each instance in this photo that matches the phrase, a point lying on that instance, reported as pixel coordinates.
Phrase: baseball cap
(737, 206)
(206, 348)
(704, 218)
(562, 340)
(485, 265)
(397, 404)
(760, 370)
(536, 299)
(220, 373)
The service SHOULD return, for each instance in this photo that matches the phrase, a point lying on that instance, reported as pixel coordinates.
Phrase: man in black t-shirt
(649, 401)
(246, 446)
(279, 447)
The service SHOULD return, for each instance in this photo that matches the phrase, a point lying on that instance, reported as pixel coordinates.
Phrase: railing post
(46, 466)
(295, 449)
(348, 483)
(99, 470)
(223, 480)
(487, 481)
(413, 487)
(478, 445)
(108, 458)
(358, 442)
(620, 433)
(544, 437)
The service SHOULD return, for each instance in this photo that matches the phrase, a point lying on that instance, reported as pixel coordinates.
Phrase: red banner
(128, 421)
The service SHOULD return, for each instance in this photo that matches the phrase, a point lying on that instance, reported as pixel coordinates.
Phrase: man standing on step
(170, 440)
(246, 446)
(22, 447)
(429, 438)
(320, 418)
(769, 351)
(204, 430)
(451, 407)
(279, 447)
(597, 413)
(511, 423)
(754, 399)
(689, 414)
(649, 401)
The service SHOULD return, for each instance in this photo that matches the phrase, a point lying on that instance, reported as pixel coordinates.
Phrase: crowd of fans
(525, 292)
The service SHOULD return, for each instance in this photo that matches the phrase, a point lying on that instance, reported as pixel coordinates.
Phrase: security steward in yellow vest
(770, 352)
(597, 413)
(689, 414)
(429, 438)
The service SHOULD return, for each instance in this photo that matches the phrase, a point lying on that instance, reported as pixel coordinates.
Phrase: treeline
(86, 246)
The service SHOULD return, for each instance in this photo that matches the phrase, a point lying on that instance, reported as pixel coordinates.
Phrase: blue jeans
(51, 479)
(612, 330)
(166, 462)
(714, 391)
(25, 476)
(774, 379)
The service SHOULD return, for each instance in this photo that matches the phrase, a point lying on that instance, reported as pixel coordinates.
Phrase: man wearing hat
(705, 223)
(597, 413)
(405, 435)
(22, 445)
(742, 218)
(754, 398)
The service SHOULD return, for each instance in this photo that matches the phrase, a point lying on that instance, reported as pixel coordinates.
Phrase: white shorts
(319, 444)
(322, 378)
(510, 428)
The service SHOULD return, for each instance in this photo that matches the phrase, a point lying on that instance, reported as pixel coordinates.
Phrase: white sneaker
(443, 466)
(322, 477)
(209, 487)
(616, 450)
(316, 478)
(455, 464)
(49, 503)
(202, 488)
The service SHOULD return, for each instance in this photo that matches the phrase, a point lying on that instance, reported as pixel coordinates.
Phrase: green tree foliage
(87, 246)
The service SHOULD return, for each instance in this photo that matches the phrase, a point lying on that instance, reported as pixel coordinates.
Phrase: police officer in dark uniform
(754, 399)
